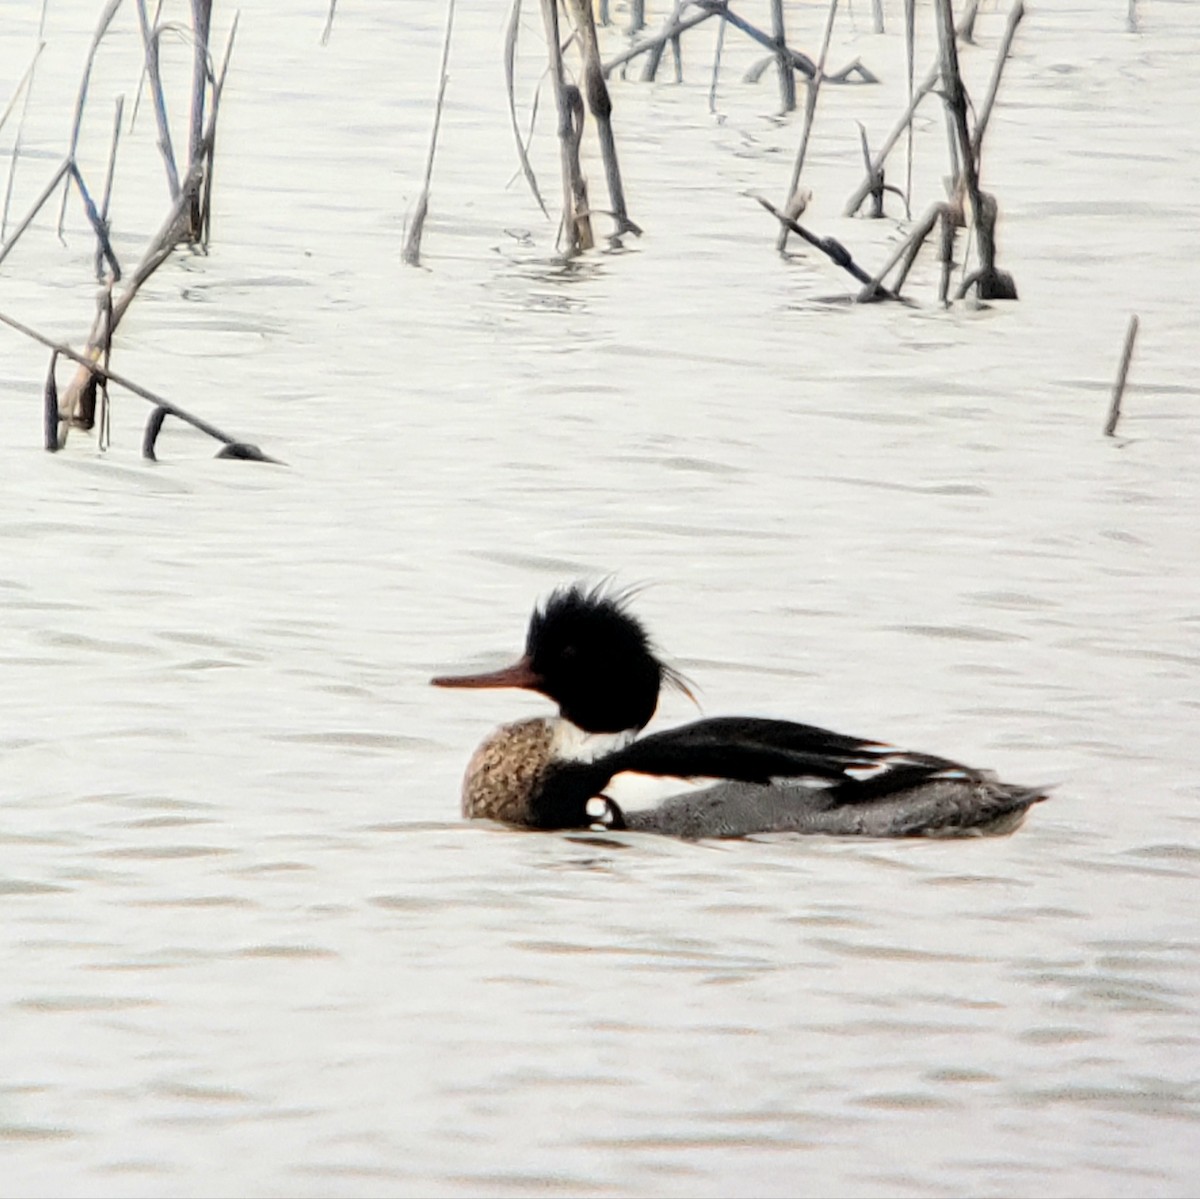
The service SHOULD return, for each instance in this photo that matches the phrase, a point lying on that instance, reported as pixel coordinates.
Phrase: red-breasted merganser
(586, 652)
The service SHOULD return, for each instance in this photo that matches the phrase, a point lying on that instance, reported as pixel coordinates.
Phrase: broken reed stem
(811, 93)
(201, 74)
(654, 56)
(15, 154)
(210, 158)
(202, 22)
(412, 244)
(50, 407)
(677, 43)
(104, 434)
(1114, 409)
(599, 102)
(799, 62)
(97, 223)
(716, 68)
(658, 40)
(989, 283)
(877, 188)
(907, 250)
(655, 52)
(938, 211)
(24, 86)
(712, 8)
(109, 175)
(137, 96)
(63, 171)
(19, 91)
(829, 246)
(171, 230)
(910, 52)
(948, 219)
(510, 58)
(985, 110)
(576, 229)
(864, 189)
(95, 371)
(966, 26)
(787, 77)
(163, 246)
(927, 85)
(955, 97)
(1131, 17)
(150, 35)
(175, 228)
(106, 17)
(328, 23)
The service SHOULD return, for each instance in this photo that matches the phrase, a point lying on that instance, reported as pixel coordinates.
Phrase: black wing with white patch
(754, 750)
(741, 749)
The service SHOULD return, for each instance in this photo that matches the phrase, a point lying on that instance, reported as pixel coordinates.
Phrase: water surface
(250, 948)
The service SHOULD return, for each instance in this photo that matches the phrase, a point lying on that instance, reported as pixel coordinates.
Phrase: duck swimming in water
(587, 653)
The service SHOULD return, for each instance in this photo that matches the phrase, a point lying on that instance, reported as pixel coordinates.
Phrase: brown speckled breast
(506, 771)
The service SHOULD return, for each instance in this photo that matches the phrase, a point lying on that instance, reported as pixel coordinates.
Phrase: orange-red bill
(519, 674)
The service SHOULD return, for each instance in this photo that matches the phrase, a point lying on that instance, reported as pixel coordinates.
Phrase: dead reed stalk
(599, 104)
(23, 91)
(677, 27)
(966, 23)
(1114, 408)
(654, 55)
(163, 407)
(510, 55)
(1015, 14)
(576, 231)
(875, 166)
(780, 54)
(150, 36)
(110, 11)
(967, 199)
(810, 107)
(787, 77)
(910, 62)
(905, 254)
(829, 246)
(328, 23)
(716, 68)
(412, 245)
(187, 221)
(989, 282)
(109, 175)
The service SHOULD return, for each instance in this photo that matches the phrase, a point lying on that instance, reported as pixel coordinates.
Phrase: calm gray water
(248, 946)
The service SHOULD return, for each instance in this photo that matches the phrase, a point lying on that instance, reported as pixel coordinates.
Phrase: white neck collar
(570, 743)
